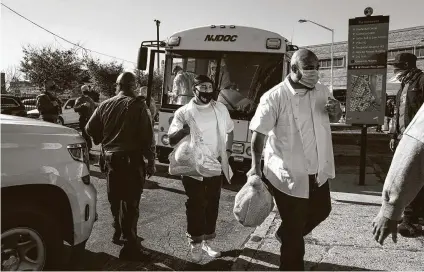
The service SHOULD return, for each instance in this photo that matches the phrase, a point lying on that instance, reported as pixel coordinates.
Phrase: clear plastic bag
(191, 157)
(253, 203)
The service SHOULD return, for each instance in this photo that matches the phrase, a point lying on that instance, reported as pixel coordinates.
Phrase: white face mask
(309, 78)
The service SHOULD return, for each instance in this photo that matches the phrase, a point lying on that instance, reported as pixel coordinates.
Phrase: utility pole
(157, 38)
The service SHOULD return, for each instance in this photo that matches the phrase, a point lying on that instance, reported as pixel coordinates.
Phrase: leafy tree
(42, 63)
(104, 75)
(142, 79)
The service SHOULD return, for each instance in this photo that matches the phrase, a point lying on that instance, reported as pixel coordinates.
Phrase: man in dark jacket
(122, 124)
(85, 107)
(408, 101)
(48, 105)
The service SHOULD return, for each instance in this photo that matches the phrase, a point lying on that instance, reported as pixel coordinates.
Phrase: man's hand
(254, 171)
(186, 129)
(393, 144)
(150, 169)
(382, 227)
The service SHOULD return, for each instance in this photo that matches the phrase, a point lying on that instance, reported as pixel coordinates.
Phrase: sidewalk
(342, 242)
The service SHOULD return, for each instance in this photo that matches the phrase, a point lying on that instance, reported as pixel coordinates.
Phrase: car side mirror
(291, 47)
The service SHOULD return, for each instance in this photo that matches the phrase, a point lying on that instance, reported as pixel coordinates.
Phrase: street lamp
(157, 37)
(332, 43)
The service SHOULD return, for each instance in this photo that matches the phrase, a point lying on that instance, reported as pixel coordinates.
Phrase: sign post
(366, 75)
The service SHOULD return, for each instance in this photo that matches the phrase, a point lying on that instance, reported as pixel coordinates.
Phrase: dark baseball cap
(403, 58)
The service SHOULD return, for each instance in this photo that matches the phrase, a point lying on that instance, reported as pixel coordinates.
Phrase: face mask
(309, 78)
(205, 98)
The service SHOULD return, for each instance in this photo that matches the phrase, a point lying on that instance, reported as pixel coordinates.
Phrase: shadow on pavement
(274, 260)
(152, 185)
(151, 260)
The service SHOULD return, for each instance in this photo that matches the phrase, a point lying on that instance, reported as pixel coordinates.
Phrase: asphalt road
(161, 229)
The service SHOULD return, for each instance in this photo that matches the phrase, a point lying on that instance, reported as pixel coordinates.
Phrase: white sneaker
(196, 252)
(211, 252)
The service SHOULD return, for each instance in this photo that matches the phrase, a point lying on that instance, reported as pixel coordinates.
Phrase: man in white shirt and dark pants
(296, 116)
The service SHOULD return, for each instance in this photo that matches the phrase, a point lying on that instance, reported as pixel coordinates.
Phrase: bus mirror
(142, 58)
(291, 47)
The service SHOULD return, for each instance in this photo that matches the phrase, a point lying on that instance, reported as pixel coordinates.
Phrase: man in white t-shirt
(204, 192)
(296, 115)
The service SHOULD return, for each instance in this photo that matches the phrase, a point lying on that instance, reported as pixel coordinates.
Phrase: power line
(86, 49)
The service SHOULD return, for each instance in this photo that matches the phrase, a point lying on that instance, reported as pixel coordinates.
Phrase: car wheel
(60, 121)
(30, 241)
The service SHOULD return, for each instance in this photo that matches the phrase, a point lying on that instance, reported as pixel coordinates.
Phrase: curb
(255, 241)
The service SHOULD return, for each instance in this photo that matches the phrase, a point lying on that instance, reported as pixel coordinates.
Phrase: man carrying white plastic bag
(296, 116)
(212, 121)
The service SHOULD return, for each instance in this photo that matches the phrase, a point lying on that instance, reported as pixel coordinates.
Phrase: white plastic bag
(191, 157)
(253, 203)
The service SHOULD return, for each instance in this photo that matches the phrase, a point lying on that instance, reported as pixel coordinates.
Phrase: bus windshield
(240, 80)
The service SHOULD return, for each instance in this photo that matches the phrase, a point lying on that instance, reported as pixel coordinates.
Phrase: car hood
(15, 124)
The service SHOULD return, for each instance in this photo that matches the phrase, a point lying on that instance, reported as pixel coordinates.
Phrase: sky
(118, 27)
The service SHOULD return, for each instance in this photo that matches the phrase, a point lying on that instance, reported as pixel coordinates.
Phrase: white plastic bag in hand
(191, 157)
(253, 202)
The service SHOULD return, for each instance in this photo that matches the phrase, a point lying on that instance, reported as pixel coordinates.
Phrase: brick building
(400, 40)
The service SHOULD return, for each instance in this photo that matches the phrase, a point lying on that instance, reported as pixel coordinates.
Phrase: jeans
(125, 179)
(299, 217)
(202, 207)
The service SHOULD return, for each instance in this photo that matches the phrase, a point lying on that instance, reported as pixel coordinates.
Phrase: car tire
(31, 224)
(60, 121)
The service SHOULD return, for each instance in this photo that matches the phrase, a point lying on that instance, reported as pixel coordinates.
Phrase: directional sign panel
(367, 70)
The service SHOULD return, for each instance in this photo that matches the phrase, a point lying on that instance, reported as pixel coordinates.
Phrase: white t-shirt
(207, 123)
(306, 126)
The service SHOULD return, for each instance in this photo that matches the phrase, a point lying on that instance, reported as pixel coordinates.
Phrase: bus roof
(227, 38)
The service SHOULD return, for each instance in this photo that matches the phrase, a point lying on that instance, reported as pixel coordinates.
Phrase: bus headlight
(238, 148)
(249, 151)
(273, 43)
(174, 41)
(165, 139)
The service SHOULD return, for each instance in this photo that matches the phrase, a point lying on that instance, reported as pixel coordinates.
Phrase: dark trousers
(82, 123)
(49, 118)
(125, 178)
(415, 209)
(299, 217)
(202, 207)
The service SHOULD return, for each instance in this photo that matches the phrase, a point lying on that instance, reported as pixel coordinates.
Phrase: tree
(47, 63)
(12, 74)
(104, 75)
(142, 79)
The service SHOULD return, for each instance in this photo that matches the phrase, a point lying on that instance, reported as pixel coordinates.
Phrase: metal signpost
(366, 75)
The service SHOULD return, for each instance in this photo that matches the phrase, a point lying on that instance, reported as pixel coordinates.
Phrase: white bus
(243, 62)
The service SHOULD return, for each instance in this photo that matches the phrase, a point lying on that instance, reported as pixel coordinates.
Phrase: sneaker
(196, 252)
(211, 252)
(407, 229)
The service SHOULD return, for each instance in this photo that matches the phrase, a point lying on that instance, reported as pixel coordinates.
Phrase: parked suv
(12, 105)
(46, 194)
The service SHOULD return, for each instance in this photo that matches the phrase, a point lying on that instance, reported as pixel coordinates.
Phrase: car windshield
(241, 80)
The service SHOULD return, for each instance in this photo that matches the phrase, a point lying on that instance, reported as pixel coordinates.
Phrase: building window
(392, 53)
(419, 52)
(326, 63)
